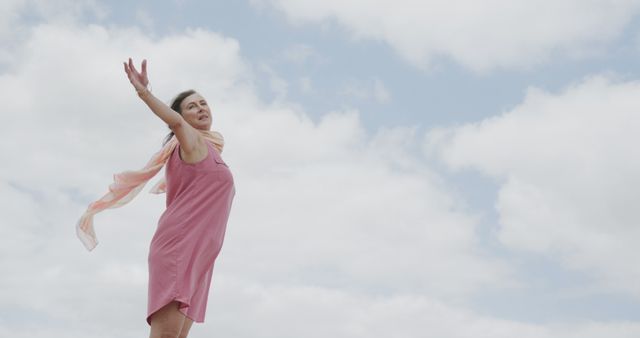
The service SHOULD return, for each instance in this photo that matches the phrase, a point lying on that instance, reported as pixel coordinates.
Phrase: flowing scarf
(126, 185)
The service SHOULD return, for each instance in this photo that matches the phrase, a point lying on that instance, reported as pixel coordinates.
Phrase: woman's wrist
(143, 93)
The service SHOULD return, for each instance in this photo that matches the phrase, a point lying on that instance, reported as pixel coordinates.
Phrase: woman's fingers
(136, 78)
(144, 68)
(133, 68)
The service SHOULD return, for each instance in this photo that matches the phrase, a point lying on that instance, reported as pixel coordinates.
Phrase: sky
(403, 168)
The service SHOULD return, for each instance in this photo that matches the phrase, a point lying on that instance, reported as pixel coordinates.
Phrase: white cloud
(12, 27)
(306, 85)
(67, 11)
(327, 218)
(336, 313)
(479, 35)
(568, 167)
(374, 89)
(9, 15)
(277, 84)
(299, 53)
(144, 19)
(380, 92)
(317, 203)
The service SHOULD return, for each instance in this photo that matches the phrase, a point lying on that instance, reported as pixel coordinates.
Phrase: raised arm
(189, 138)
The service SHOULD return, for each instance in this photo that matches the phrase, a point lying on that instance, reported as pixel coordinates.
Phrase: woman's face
(196, 111)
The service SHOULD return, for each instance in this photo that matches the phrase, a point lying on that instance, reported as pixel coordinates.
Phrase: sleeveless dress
(190, 233)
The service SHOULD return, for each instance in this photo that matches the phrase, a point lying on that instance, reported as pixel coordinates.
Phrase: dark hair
(175, 105)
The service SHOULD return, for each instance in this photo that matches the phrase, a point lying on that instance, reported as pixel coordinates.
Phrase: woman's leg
(167, 322)
(185, 328)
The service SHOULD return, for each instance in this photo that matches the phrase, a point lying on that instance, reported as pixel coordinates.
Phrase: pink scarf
(126, 185)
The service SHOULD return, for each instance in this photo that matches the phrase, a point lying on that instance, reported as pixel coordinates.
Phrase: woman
(190, 232)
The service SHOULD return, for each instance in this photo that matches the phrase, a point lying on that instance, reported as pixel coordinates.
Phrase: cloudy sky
(403, 168)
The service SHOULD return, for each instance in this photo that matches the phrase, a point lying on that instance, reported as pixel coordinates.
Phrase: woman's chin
(201, 125)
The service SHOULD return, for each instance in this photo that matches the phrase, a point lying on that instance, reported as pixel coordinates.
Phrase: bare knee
(185, 328)
(167, 322)
(169, 334)
(165, 332)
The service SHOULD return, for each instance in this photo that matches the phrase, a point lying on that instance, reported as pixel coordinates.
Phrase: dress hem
(182, 308)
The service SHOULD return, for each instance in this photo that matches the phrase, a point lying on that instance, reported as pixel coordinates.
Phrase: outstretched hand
(139, 80)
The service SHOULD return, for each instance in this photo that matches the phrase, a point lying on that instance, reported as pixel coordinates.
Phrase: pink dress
(190, 233)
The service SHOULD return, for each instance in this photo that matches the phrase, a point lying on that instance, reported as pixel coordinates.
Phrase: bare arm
(189, 138)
